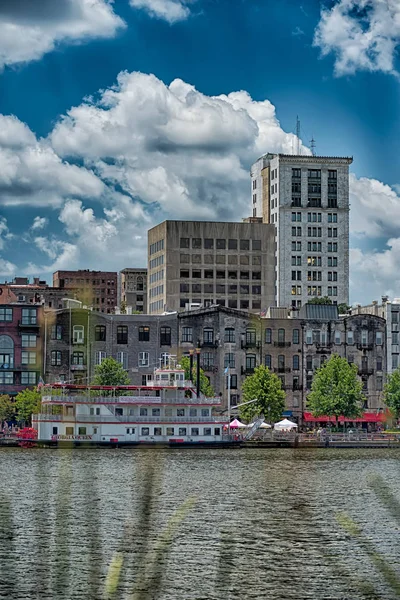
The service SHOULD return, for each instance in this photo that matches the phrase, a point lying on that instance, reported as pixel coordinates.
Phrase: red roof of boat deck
(366, 418)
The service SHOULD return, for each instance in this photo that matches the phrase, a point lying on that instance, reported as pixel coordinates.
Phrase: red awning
(366, 418)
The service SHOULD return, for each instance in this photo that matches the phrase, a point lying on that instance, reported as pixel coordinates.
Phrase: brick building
(21, 344)
(37, 292)
(132, 289)
(95, 289)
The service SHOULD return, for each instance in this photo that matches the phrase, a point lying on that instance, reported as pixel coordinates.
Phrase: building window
(229, 335)
(245, 244)
(28, 340)
(165, 336)
(268, 336)
(350, 337)
(122, 334)
(296, 362)
(28, 378)
(187, 334)
(184, 243)
(379, 383)
(379, 338)
(6, 378)
(78, 333)
(250, 362)
(27, 358)
(281, 336)
(122, 357)
(143, 359)
(56, 332)
(55, 358)
(268, 361)
(100, 333)
(6, 314)
(281, 362)
(144, 334)
(208, 244)
(29, 316)
(229, 360)
(78, 358)
(296, 336)
(208, 335)
(207, 360)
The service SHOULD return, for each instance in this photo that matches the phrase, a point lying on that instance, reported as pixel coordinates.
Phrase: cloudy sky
(117, 115)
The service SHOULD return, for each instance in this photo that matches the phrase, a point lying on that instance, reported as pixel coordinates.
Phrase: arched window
(139, 283)
(6, 352)
(78, 334)
(281, 363)
(250, 362)
(309, 363)
(268, 361)
(281, 336)
(268, 336)
(229, 335)
(250, 336)
(296, 362)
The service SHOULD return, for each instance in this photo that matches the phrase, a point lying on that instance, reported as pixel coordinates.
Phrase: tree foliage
(343, 308)
(27, 403)
(110, 372)
(320, 300)
(7, 408)
(267, 388)
(392, 392)
(205, 385)
(336, 390)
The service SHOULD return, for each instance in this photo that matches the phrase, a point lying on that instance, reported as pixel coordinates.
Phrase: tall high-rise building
(197, 263)
(307, 199)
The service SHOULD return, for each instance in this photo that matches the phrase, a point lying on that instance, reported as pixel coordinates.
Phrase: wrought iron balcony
(282, 369)
(365, 371)
(209, 344)
(246, 344)
(282, 344)
(28, 323)
(365, 346)
(247, 370)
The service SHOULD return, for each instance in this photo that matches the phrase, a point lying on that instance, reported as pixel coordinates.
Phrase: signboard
(71, 437)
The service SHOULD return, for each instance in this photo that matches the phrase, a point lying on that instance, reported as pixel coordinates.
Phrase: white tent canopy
(263, 425)
(285, 424)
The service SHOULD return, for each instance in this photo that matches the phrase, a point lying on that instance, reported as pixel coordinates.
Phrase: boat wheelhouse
(168, 410)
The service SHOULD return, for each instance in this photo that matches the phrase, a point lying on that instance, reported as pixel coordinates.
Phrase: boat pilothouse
(166, 409)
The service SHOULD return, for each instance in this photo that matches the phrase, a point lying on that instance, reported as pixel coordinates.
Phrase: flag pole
(229, 403)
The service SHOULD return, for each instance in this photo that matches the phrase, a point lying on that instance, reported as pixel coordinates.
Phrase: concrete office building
(196, 263)
(132, 289)
(306, 198)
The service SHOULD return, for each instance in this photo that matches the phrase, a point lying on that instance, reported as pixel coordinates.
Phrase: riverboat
(167, 410)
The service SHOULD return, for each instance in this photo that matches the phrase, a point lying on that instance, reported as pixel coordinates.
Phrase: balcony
(93, 419)
(323, 348)
(209, 344)
(138, 399)
(282, 344)
(365, 371)
(78, 367)
(247, 370)
(209, 368)
(296, 388)
(282, 369)
(246, 344)
(365, 346)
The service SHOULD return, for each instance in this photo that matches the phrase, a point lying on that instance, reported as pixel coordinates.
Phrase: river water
(245, 524)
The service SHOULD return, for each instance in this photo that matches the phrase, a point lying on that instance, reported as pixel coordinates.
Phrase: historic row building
(293, 344)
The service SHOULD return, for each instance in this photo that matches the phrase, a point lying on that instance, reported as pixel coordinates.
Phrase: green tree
(122, 307)
(391, 394)
(321, 300)
(27, 402)
(336, 390)
(7, 408)
(110, 372)
(267, 388)
(205, 385)
(343, 308)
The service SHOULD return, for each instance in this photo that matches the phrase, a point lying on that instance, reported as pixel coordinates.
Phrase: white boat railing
(142, 399)
(125, 419)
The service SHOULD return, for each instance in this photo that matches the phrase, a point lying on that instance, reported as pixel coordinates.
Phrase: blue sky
(101, 146)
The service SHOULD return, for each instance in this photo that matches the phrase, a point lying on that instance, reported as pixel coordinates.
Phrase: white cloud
(362, 34)
(5, 233)
(169, 10)
(375, 208)
(28, 30)
(32, 173)
(39, 223)
(7, 267)
(173, 147)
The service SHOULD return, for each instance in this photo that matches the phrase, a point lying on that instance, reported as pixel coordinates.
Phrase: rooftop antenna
(312, 145)
(298, 135)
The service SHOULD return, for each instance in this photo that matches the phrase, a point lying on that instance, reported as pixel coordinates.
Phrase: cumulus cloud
(28, 30)
(375, 208)
(173, 147)
(362, 34)
(39, 223)
(169, 10)
(32, 173)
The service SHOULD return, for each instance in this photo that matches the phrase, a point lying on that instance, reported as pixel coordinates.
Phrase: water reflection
(116, 524)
